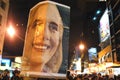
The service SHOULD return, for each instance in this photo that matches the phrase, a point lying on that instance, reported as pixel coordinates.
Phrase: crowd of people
(94, 76)
(5, 75)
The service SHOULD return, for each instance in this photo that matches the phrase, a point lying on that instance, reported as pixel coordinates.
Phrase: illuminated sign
(5, 62)
(104, 26)
(92, 55)
(18, 59)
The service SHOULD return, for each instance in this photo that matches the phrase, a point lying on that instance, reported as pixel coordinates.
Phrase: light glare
(81, 46)
(94, 18)
(98, 12)
(11, 31)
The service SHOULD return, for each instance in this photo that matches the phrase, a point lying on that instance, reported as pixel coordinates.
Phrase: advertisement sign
(104, 27)
(46, 41)
(18, 59)
(5, 62)
(92, 55)
(93, 68)
(15, 64)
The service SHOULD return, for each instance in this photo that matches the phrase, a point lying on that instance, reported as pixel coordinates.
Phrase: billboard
(104, 27)
(5, 62)
(46, 41)
(92, 55)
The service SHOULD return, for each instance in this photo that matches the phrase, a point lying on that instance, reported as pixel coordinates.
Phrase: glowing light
(81, 46)
(98, 12)
(11, 31)
(94, 18)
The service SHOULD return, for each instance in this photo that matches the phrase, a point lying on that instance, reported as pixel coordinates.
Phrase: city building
(4, 6)
(114, 18)
(109, 56)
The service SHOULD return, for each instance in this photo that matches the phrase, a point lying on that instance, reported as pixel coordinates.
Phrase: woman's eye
(53, 26)
(37, 22)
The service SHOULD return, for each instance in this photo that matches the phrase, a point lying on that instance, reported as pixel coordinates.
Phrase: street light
(81, 47)
(11, 31)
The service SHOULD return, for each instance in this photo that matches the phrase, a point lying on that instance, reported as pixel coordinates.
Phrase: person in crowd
(79, 77)
(99, 77)
(85, 76)
(0, 76)
(69, 76)
(6, 75)
(111, 79)
(16, 75)
(111, 75)
(118, 77)
(106, 77)
(16, 70)
(94, 76)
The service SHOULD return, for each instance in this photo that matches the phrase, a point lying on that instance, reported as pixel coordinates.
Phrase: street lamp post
(82, 47)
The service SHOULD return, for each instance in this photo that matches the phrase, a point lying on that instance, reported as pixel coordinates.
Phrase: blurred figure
(94, 76)
(79, 77)
(16, 70)
(111, 79)
(0, 76)
(16, 76)
(99, 77)
(69, 77)
(111, 75)
(6, 75)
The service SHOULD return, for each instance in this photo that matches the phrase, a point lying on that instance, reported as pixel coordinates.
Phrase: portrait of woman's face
(43, 47)
(46, 38)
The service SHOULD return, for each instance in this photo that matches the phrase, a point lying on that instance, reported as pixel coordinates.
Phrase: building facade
(114, 18)
(109, 56)
(4, 6)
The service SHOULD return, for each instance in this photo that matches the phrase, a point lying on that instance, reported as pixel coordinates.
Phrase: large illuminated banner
(5, 64)
(92, 55)
(104, 27)
(46, 41)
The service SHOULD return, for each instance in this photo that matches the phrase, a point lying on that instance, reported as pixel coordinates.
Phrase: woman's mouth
(41, 47)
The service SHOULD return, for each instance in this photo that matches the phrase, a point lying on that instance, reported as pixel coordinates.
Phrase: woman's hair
(56, 60)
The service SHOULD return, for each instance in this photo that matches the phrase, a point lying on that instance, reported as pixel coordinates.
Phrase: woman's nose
(46, 32)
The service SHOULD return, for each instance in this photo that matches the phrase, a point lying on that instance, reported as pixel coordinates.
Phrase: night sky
(82, 28)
